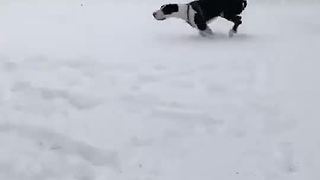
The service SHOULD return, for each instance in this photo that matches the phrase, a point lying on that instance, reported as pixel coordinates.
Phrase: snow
(102, 91)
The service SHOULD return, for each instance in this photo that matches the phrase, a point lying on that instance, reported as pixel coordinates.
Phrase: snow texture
(96, 90)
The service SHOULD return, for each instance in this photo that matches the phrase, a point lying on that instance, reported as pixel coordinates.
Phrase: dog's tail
(244, 4)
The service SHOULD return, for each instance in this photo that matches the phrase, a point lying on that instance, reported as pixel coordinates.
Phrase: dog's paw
(232, 32)
(206, 33)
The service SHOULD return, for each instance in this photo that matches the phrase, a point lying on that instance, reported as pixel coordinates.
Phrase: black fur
(228, 9)
(169, 9)
(201, 24)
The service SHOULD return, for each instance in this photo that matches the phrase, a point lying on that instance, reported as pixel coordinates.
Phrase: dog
(200, 12)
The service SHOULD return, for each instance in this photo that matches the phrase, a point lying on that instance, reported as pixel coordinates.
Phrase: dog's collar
(188, 14)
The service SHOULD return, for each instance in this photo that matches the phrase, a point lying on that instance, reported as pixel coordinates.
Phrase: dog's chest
(190, 16)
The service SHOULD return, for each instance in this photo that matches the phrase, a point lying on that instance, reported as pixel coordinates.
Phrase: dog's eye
(162, 6)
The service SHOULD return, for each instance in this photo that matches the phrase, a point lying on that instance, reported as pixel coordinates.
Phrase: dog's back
(214, 8)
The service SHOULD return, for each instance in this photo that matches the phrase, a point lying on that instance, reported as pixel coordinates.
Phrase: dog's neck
(182, 12)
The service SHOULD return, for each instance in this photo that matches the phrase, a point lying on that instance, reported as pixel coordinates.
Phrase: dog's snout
(158, 16)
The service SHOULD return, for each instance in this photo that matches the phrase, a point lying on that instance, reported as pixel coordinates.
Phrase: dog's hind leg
(236, 20)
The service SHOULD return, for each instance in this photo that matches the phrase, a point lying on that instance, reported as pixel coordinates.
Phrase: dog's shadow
(196, 38)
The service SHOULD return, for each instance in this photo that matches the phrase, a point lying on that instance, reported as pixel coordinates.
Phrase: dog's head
(165, 11)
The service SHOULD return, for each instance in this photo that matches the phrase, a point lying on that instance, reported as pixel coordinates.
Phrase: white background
(96, 90)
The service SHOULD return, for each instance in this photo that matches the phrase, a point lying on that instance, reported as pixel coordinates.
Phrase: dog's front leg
(204, 29)
(206, 33)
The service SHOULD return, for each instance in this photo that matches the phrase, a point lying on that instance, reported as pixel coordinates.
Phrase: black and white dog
(198, 13)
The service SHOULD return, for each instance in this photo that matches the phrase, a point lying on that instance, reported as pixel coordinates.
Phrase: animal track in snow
(76, 100)
(62, 145)
(37, 154)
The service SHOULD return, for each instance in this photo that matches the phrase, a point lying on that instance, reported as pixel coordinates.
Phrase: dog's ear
(169, 9)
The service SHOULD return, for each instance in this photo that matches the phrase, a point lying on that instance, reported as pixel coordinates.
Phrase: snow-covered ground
(96, 90)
